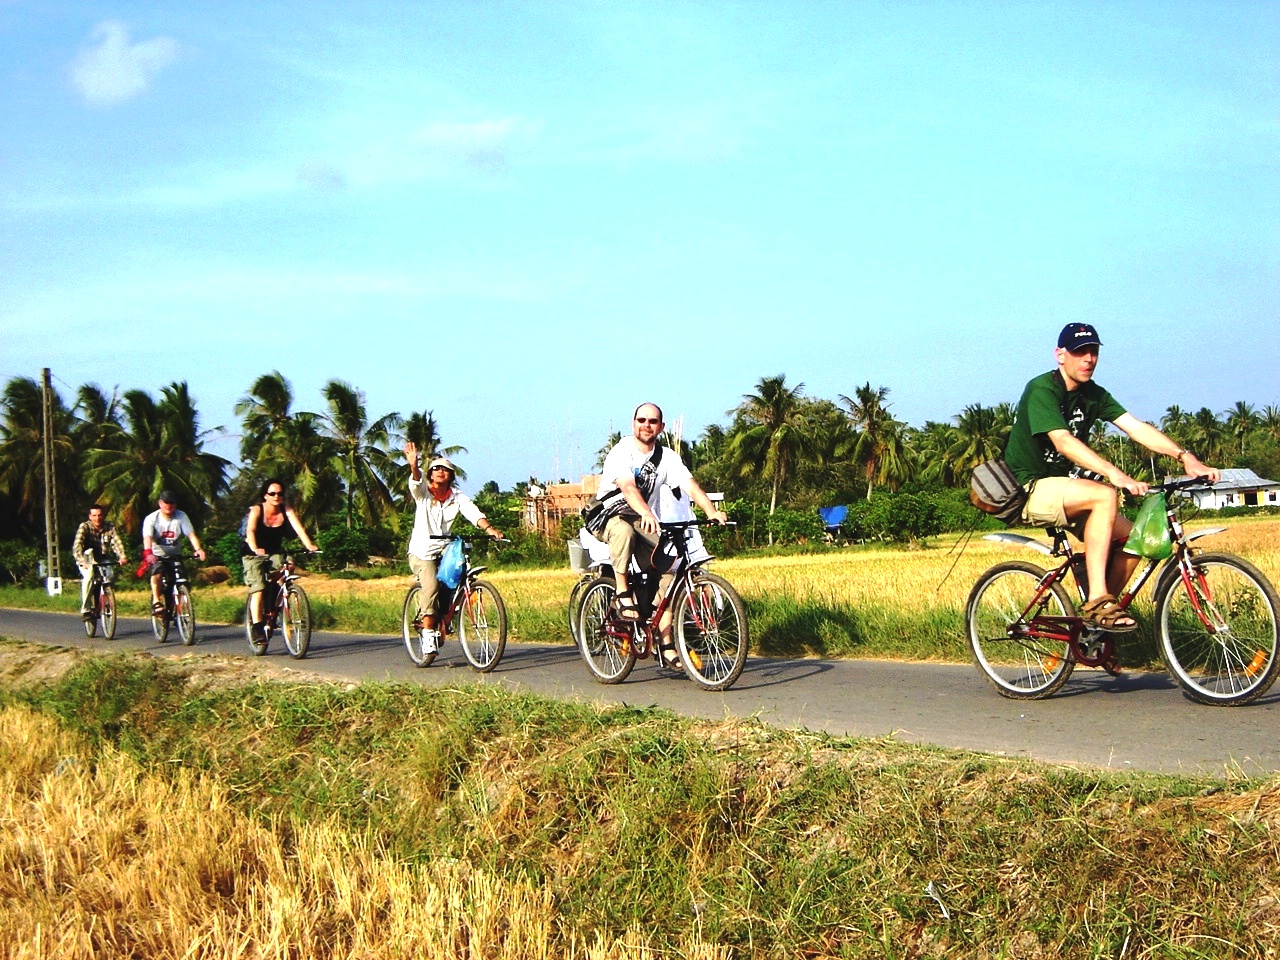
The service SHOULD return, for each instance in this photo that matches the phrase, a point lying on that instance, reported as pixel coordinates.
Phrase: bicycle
(1216, 616)
(285, 608)
(709, 620)
(175, 593)
(473, 611)
(102, 599)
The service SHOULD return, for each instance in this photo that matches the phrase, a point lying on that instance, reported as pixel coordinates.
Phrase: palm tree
(877, 445)
(279, 442)
(360, 455)
(157, 446)
(1206, 435)
(96, 414)
(1241, 419)
(933, 443)
(22, 474)
(773, 434)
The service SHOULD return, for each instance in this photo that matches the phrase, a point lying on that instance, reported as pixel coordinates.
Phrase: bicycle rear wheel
(481, 625)
(711, 632)
(998, 622)
(296, 621)
(609, 658)
(411, 631)
(107, 611)
(1218, 634)
(184, 613)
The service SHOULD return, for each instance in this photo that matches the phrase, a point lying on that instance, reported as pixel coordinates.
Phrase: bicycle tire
(1019, 666)
(609, 658)
(256, 647)
(295, 621)
(413, 635)
(184, 613)
(160, 622)
(91, 624)
(574, 610)
(481, 625)
(1233, 660)
(107, 611)
(710, 632)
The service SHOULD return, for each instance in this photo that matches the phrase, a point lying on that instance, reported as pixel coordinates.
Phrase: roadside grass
(875, 602)
(168, 809)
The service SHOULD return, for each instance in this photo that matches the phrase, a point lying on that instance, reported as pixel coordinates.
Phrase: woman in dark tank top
(271, 521)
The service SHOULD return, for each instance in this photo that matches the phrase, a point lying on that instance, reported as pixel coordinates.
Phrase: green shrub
(342, 546)
(19, 563)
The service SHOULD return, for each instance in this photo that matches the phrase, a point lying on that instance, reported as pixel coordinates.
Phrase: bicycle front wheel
(1218, 633)
(184, 613)
(107, 611)
(296, 622)
(610, 658)
(481, 625)
(711, 632)
(574, 610)
(411, 629)
(160, 623)
(1006, 645)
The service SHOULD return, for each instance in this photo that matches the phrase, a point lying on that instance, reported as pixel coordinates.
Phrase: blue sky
(529, 217)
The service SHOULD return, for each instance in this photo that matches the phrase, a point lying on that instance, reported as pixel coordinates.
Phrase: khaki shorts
(1044, 506)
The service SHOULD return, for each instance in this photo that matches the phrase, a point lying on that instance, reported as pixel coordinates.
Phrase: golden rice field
(103, 858)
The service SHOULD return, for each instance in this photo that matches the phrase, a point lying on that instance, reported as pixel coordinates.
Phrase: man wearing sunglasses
(634, 472)
(1069, 484)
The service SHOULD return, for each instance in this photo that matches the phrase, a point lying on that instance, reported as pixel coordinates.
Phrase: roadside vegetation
(195, 808)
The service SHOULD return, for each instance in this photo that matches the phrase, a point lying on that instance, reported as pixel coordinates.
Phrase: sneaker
(430, 642)
(87, 616)
(259, 632)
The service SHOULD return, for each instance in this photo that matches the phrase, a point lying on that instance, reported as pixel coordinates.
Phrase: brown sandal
(1105, 613)
(628, 610)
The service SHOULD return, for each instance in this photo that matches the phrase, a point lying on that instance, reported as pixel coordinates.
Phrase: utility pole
(53, 562)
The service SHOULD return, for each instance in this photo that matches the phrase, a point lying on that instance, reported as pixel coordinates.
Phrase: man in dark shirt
(1068, 483)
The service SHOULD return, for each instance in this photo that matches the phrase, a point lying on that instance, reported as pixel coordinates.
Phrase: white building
(1238, 488)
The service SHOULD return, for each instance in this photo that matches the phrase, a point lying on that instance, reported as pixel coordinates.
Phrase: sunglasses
(275, 493)
(652, 420)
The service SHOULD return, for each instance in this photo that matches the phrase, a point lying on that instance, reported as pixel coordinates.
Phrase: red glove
(145, 565)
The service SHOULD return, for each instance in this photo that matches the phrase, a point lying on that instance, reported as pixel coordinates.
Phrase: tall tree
(1241, 419)
(877, 447)
(280, 442)
(773, 435)
(361, 455)
(980, 434)
(22, 451)
(158, 446)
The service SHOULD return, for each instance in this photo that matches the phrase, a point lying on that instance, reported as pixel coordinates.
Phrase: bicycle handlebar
(685, 524)
(1173, 486)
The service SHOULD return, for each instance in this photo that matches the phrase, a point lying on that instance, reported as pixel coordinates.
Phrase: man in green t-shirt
(1069, 484)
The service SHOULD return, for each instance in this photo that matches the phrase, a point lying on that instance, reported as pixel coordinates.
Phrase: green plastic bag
(1150, 535)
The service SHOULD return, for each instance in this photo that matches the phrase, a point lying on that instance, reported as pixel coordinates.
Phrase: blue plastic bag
(449, 570)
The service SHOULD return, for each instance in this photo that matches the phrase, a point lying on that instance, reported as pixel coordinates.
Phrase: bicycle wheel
(184, 613)
(998, 616)
(711, 634)
(1218, 635)
(296, 621)
(160, 622)
(91, 624)
(411, 632)
(610, 658)
(574, 610)
(481, 625)
(107, 611)
(257, 647)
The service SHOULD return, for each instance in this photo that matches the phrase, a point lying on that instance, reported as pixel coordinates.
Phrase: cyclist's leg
(86, 581)
(157, 574)
(255, 578)
(625, 540)
(425, 570)
(1089, 510)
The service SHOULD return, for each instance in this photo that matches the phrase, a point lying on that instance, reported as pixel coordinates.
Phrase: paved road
(1140, 721)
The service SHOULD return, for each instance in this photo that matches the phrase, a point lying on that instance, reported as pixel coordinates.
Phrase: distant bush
(19, 563)
(342, 546)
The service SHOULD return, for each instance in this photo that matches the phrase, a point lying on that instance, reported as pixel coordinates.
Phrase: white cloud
(115, 70)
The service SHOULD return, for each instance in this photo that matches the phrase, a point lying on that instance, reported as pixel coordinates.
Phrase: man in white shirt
(634, 472)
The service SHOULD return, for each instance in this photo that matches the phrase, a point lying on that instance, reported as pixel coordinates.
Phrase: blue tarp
(833, 516)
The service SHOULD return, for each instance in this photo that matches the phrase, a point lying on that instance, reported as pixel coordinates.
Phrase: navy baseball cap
(1077, 335)
(168, 496)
